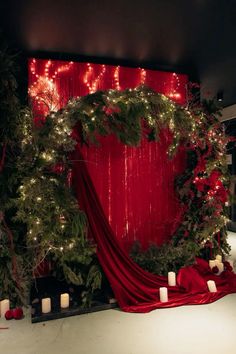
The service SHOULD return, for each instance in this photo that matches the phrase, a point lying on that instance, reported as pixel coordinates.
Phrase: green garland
(57, 227)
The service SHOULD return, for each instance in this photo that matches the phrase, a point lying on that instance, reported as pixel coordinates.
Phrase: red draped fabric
(135, 289)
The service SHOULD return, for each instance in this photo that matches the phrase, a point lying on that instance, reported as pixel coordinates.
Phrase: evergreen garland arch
(57, 227)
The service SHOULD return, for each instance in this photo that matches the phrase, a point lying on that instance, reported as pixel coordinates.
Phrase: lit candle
(163, 294)
(211, 286)
(46, 305)
(171, 279)
(65, 301)
(219, 257)
(4, 307)
(212, 263)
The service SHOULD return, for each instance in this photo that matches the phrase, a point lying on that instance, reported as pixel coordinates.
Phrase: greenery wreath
(56, 227)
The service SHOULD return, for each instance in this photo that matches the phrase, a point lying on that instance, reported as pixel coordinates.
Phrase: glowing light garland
(45, 79)
(143, 75)
(44, 89)
(117, 78)
(87, 76)
(93, 84)
(175, 84)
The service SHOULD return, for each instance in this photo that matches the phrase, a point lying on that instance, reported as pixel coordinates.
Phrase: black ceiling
(196, 37)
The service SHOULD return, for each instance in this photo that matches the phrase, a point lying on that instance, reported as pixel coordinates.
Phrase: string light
(44, 89)
(98, 80)
(45, 93)
(71, 245)
(117, 78)
(175, 85)
(87, 76)
(47, 156)
(91, 84)
(143, 75)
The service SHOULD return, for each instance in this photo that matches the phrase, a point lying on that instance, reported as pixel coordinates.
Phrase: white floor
(199, 329)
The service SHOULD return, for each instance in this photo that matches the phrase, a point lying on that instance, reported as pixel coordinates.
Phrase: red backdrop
(135, 185)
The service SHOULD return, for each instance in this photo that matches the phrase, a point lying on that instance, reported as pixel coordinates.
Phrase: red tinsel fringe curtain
(136, 188)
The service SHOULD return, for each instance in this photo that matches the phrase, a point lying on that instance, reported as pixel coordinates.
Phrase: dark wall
(195, 37)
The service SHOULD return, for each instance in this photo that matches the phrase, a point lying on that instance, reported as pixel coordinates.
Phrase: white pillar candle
(212, 263)
(163, 294)
(219, 257)
(46, 305)
(65, 300)
(4, 307)
(211, 286)
(171, 279)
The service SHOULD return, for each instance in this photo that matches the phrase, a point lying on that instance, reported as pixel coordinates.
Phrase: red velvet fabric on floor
(135, 289)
